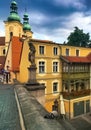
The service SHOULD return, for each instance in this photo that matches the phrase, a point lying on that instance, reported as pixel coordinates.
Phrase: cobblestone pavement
(9, 118)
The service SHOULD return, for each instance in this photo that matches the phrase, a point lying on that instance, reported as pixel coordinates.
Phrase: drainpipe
(90, 87)
(69, 86)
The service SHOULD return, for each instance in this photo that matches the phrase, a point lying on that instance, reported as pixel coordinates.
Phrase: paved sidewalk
(9, 118)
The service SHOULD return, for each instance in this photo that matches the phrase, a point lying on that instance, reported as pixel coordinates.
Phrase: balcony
(76, 94)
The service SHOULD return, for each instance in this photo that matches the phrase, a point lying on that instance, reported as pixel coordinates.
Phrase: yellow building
(47, 59)
(76, 80)
(64, 70)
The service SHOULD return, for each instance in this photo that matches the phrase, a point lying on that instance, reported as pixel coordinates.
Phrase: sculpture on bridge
(31, 55)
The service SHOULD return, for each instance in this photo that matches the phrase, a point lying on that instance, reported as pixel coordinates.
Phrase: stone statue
(31, 55)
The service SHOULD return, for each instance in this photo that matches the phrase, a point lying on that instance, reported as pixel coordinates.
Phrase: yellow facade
(71, 103)
(48, 78)
(72, 50)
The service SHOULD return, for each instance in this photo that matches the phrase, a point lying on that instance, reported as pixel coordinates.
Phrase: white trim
(77, 99)
(55, 73)
(75, 51)
(44, 50)
(41, 60)
(55, 93)
(57, 50)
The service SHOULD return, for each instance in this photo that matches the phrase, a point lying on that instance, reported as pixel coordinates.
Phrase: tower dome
(26, 25)
(13, 13)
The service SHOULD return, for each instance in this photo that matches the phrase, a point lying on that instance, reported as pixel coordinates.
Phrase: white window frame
(55, 66)
(76, 52)
(55, 83)
(41, 60)
(42, 69)
(66, 52)
(41, 52)
(55, 51)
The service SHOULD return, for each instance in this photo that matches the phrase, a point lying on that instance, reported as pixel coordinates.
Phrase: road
(9, 117)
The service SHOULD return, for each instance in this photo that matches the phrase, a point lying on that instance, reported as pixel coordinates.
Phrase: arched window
(4, 52)
(11, 34)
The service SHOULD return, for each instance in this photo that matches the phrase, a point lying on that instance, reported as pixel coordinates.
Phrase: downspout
(69, 86)
(90, 87)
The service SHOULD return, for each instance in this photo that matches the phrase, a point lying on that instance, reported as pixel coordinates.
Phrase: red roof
(2, 41)
(16, 53)
(77, 59)
(43, 41)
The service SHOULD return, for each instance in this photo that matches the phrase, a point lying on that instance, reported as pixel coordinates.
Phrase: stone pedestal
(32, 74)
(35, 88)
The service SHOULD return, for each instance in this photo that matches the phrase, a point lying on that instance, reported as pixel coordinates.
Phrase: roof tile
(77, 59)
(16, 53)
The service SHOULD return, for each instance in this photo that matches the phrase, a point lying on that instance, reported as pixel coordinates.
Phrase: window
(77, 52)
(41, 50)
(55, 67)
(55, 87)
(41, 67)
(55, 51)
(67, 52)
(3, 51)
(11, 34)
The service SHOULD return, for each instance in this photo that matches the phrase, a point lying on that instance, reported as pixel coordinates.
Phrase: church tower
(26, 26)
(13, 25)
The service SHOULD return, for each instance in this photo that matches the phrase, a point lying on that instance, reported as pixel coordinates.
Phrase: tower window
(11, 34)
(3, 51)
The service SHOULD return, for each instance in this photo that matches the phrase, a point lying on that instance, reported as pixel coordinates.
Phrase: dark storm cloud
(53, 19)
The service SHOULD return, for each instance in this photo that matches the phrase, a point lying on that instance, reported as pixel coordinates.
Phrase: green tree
(78, 38)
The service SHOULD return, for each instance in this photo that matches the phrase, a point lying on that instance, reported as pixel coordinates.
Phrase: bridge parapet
(33, 112)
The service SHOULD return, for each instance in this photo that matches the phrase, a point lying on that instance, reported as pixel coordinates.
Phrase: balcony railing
(75, 94)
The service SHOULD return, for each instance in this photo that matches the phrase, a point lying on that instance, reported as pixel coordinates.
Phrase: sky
(51, 19)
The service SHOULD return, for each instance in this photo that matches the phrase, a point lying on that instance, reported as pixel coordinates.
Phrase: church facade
(64, 70)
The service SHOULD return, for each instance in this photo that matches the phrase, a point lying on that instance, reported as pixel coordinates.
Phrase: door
(87, 106)
(78, 108)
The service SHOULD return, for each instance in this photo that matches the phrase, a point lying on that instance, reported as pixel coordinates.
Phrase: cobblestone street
(9, 118)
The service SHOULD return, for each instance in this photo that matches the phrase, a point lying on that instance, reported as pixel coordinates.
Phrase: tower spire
(13, 12)
(26, 25)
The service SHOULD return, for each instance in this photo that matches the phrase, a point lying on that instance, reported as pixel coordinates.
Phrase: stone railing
(33, 112)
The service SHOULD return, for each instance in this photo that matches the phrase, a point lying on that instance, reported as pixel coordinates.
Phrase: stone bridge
(19, 110)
